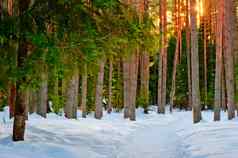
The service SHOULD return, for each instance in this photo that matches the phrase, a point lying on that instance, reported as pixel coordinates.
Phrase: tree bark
(144, 80)
(84, 92)
(33, 102)
(12, 99)
(99, 91)
(195, 65)
(12, 91)
(205, 60)
(163, 59)
(133, 85)
(176, 59)
(109, 108)
(218, 76)
(126, 90)
(19, 115)
(188, 50)
(229, 59)
(43, 95)
(71, 104)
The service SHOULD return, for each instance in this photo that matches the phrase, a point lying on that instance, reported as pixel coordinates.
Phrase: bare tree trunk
(99, 91)
(195, 65)
(126, 88)
(133, 85)
(19, 114)
(12, 99)
(176, 59)
(12, 91)
(27, 100)
(235, 46)
(188, 50)
(205, 60)
(109, 108)
(84, 91)
(71, 104)
(219, 62)
(43, 95)
(163, 59)
(228, 58)
(33, 102)
(144, 78)
(223, 93)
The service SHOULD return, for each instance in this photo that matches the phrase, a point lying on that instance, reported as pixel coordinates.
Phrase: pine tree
(195, 65)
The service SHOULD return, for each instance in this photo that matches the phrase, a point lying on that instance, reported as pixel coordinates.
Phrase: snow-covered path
(153, 142)
(151, 136)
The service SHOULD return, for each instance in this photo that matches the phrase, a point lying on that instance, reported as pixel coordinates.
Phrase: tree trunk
(188, 50)
(235, 41)
(223, 89)
(195, 65)
(12, 99)
(99, 91)
(19, 114)
(43, 95)
(33, 102)
(205, 61)
(219, 62)
(109, 108)
(12, 91)
(163, 59)
(133, 85)
(144, 80)
(84, 91)
(176, 59)
(126, 90)
(228, 58)
(71, 104)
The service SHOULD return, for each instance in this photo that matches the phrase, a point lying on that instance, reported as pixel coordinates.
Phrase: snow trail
(151, 136)
(153, 142)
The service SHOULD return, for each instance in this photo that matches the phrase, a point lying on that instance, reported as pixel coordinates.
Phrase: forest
(97, 59)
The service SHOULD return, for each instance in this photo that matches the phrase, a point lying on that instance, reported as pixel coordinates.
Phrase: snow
(151, 136)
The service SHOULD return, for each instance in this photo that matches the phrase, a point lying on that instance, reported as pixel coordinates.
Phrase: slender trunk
(84, 91)
(195, 65)
(144, 78)
(27, 100)
(163, 59)
(109, 108)
(43, 95)
(133, 85)
(12, 99)
(205, 61)
(71, 104)
(99, 91)
(219, 62)
(19, 114)
(223, 93)
(176, 59)
(235, 46)
(126, 81)
(188, 50)
(228, 58)
(33, 102)
(12, 91)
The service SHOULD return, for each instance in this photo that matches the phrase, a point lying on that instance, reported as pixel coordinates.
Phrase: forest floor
(151, 136)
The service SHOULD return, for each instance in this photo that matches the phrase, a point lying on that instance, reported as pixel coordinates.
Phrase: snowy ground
(151, 136)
